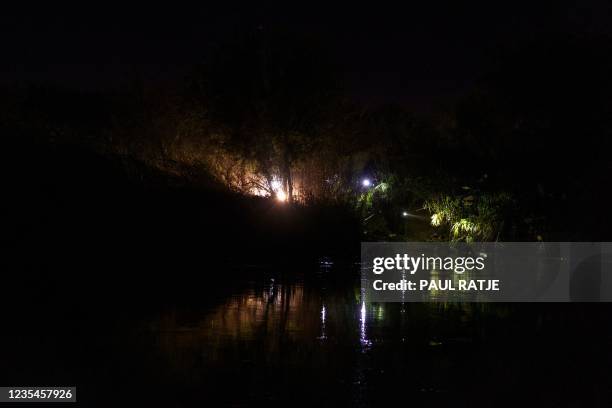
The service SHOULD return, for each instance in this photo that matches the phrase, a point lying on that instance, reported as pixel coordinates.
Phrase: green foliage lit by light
(368, 200)
(370, 206)
(472, 217)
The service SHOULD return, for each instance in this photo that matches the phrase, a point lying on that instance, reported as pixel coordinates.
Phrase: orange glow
(281, 196)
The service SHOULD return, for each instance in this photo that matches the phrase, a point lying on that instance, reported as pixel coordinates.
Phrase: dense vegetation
(267, 115)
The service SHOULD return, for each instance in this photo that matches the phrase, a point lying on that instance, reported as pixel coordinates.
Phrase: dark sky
(414, 54)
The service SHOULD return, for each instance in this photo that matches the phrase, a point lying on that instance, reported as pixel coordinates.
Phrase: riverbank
(83, 224)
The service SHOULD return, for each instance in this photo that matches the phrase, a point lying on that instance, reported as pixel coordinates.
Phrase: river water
(273, 338)
(311, 339)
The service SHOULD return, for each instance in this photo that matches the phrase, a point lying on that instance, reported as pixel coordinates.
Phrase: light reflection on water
(326, 339)
(284, 322)
(363, 338)
(274, 313)
(323, 313)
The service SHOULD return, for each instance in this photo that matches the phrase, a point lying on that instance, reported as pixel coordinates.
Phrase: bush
(471, 217)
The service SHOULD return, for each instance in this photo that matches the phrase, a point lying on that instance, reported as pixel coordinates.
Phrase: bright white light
(404, 214)
(366, 182)
(281, 196)
(363, 337)
(276, 185)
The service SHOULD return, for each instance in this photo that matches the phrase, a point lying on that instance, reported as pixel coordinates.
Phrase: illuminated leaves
(474, 217)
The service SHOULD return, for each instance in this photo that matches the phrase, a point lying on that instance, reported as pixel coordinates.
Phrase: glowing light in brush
(276, 185)
(281, 196)
(277, 190)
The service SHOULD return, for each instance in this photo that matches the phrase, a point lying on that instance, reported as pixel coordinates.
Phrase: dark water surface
(309, 339)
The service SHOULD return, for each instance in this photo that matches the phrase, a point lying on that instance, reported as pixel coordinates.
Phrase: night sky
(416, 54)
